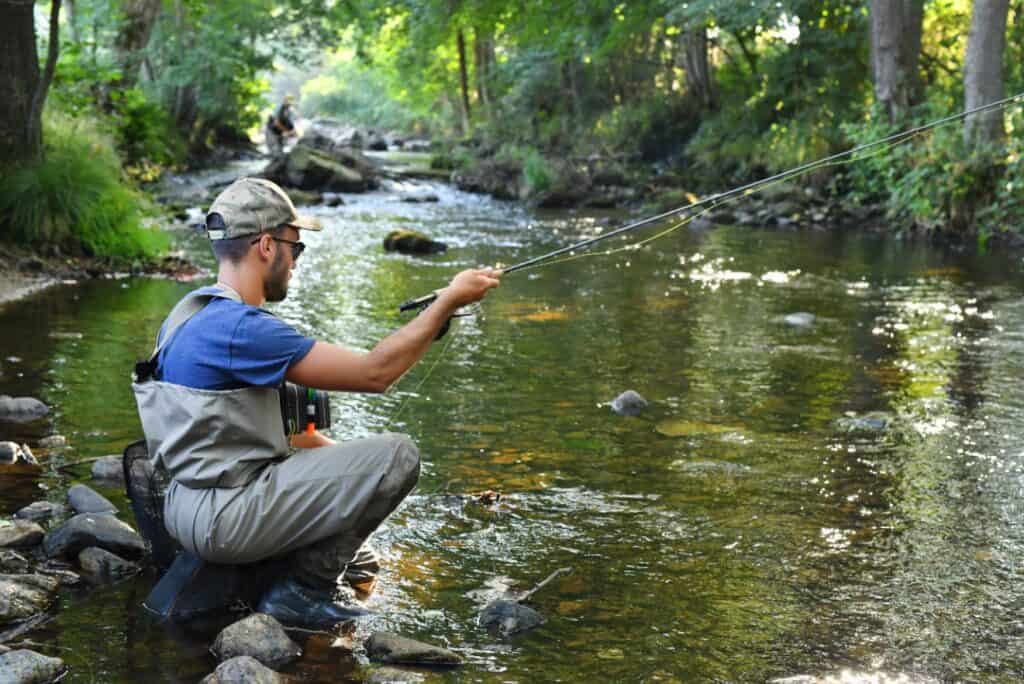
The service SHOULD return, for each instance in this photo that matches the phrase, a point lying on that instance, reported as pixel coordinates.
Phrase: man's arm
(330, 367)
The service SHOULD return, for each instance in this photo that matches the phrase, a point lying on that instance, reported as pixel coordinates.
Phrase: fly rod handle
(418, 303)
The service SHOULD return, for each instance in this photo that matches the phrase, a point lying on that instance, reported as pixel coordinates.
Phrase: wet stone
(20, 534)
(101, 564)
(109, 470)
(629, 403)
(393, 675)
(28, 667)
(88, 529)
(259, 636)
(84, 499)
(39, 511)
(869, 422)
(385, 647)
(509, 617)
(242, 669)
(21, 409)
(53, 442)
(12, 453)
(420, 199)
(14, 562)
(22, 596)
(801, 319)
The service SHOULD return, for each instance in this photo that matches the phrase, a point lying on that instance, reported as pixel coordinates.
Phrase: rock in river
(13, 454)
(509, 617)
(101, 564)
(21, 409)
(109, 469)
(20, 534)
(22, 596)
(629, 403)
(384, 647)
(84, 499)
(411, 242)
(242, 669)
(28, 667)
(259, 636)
(90, 529)
(38, 511)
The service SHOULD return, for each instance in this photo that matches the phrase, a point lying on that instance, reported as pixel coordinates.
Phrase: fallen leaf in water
(543, 316)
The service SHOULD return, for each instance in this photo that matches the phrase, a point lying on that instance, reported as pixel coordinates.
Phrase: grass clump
(76, 197)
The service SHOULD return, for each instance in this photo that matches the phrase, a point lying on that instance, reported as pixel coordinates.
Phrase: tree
(23, 89)
(139, 19)
(700, 81)
(895, 52)
(983, 71)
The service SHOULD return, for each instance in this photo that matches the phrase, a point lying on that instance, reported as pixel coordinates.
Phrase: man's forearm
(399, 351)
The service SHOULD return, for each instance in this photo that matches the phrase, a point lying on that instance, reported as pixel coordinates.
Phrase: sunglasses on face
(297, 247)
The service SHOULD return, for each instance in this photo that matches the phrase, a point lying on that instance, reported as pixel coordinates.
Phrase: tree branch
(53, 50)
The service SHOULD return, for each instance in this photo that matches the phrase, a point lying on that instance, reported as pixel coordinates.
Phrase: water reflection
(738, 530)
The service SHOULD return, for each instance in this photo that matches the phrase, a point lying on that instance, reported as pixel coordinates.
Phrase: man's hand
(468, 287)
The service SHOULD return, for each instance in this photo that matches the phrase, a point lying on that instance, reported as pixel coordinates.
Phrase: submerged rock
(84, 499)
(53, 442)
(20, 534)
(101, 564)
(629, 403)
(259, 636)
(16, 454)
(411, 242)
(509, 617)
(25, 595)
(384, 647)
(801, 319)
(28, 667)
(90, 529)
(869, 422)
(242, 669)
(393, 675)
(109, 469)
(41, 510)
(420, 199)
(21, 409)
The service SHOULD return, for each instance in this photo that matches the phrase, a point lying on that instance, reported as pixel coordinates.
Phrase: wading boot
(292, 603)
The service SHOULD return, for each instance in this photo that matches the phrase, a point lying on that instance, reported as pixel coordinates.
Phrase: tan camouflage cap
(252, 205)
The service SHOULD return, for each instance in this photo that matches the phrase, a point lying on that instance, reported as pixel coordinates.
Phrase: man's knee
(405, 462)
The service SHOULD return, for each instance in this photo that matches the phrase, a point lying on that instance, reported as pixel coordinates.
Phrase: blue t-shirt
(231, 345)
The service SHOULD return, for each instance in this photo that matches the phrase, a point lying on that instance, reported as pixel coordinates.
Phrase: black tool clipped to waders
(146, 485)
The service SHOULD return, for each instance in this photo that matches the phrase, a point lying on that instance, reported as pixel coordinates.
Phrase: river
(744, 527)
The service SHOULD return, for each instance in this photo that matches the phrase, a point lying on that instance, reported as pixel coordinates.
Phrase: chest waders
(236, 496)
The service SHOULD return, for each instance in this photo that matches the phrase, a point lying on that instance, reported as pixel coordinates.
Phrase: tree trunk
(19, 80)
(481, 68)
(983, 71)
(700, 82)
(460, 44)
(895, 52)
(131, 41)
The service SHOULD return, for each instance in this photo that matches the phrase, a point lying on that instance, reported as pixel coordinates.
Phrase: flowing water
(745, 527)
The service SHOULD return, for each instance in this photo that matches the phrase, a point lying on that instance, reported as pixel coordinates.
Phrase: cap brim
(306, 223)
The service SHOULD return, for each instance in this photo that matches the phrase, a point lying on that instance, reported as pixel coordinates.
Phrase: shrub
(77, 196)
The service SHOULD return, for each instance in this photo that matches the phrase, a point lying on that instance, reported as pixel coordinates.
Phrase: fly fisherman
(212, 416)
(280, 125)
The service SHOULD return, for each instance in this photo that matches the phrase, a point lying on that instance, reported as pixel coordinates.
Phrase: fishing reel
(304, 409)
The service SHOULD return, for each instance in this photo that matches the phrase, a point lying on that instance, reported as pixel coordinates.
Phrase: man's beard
(275, 287)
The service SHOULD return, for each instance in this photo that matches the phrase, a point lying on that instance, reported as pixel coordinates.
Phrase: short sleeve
(263, 348)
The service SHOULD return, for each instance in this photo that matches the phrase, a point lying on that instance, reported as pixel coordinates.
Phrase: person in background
(281, 125)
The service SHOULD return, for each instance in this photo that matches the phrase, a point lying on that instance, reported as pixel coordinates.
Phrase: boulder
(84, 499)
(12, 562)
(39, 511)
(28, 667)
(101, 564)
(259, 636)
(20, 534)
(509, 617)
(329, 134)
(242, 669)
(21, 409)
(393, 675)
(309, 168)
(377, 143)
(91, 529)
(25, 595)
(411, 242)
(384, 647)
(16, 454)
(109, 469)
(53, 442)
(499, 178)
(629, 403)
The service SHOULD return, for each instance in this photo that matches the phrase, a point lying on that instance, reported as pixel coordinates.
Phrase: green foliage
(77, 197)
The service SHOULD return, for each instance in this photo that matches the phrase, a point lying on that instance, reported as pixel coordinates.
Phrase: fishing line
(713, 201)
(423, 381)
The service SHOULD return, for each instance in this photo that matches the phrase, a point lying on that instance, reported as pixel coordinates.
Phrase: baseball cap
(252, 205)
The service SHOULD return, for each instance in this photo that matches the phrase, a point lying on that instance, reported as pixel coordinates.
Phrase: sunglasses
(297, 247)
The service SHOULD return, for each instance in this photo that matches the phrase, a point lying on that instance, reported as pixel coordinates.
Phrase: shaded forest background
(100, 97)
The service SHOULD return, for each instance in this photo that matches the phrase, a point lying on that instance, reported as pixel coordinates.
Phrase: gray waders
(239, 494)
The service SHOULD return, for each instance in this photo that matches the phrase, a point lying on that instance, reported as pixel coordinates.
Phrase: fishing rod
(713, 200)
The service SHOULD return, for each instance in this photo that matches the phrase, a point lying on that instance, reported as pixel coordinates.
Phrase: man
(210, 409)
(280, 125)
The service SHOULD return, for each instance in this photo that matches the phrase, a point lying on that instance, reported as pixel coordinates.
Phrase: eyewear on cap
(297, 247)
